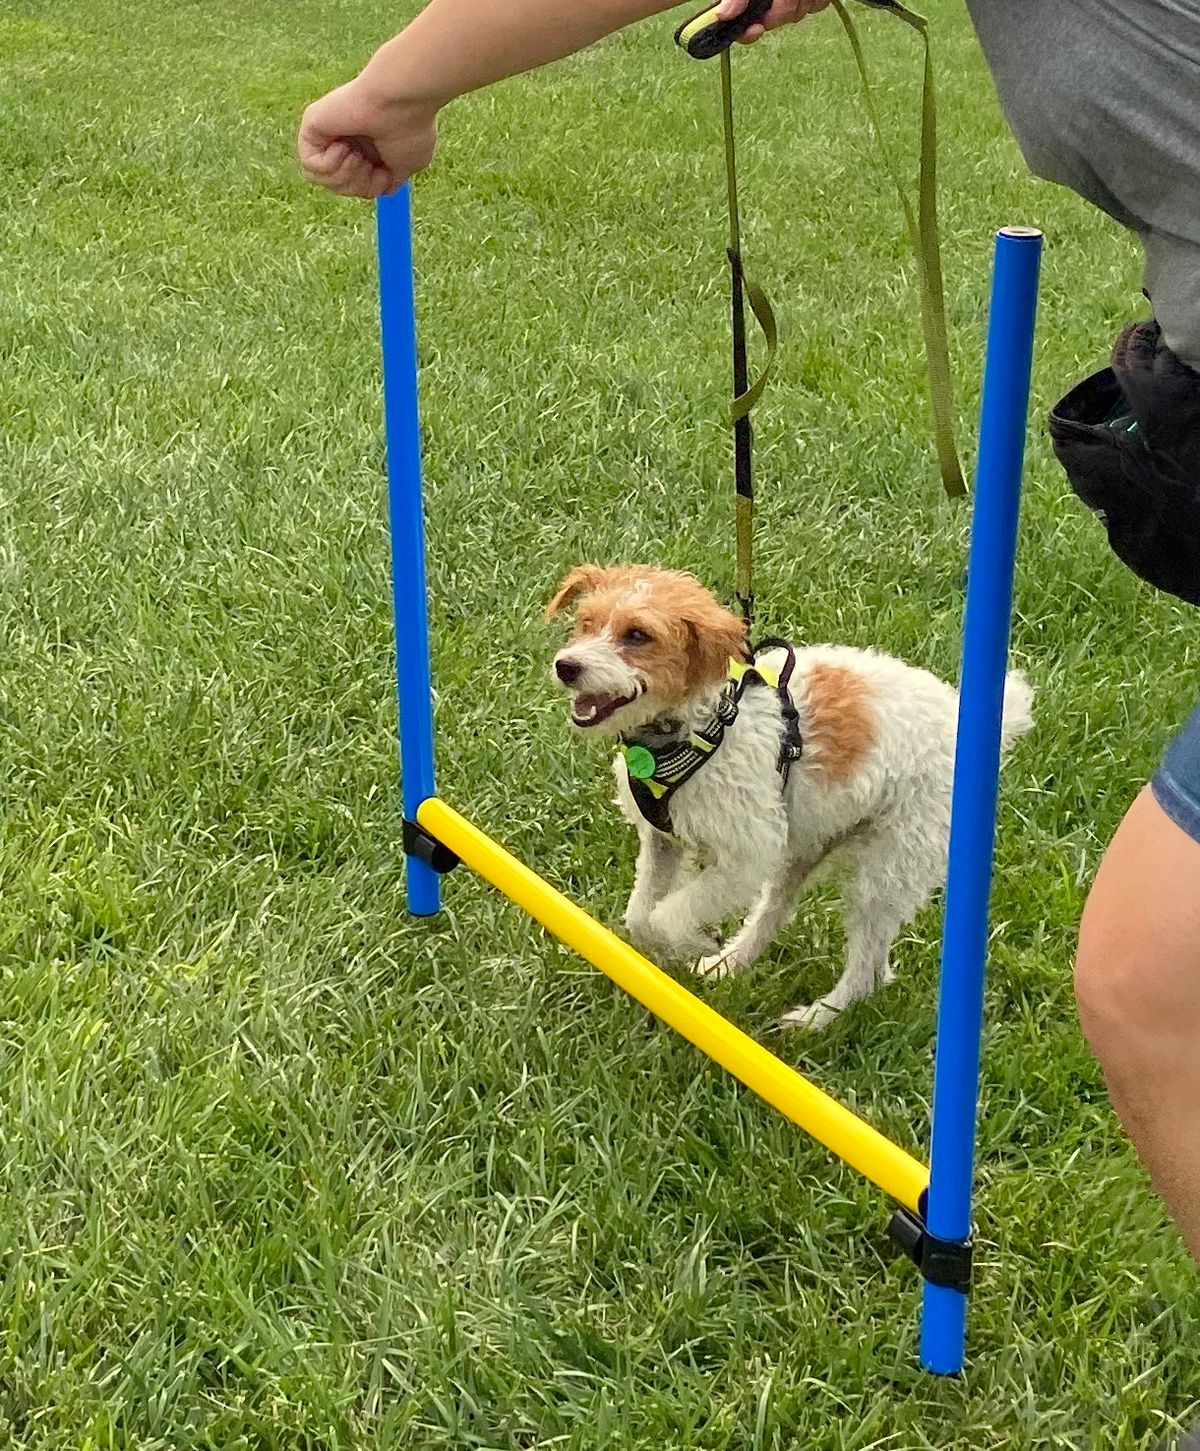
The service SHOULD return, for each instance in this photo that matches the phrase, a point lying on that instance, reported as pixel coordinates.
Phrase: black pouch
(1129, 440)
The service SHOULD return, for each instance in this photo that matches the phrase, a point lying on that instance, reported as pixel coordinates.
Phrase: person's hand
(358, 144)
(782, 12)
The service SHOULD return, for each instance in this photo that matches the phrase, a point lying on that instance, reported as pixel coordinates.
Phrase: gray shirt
(1105, 98)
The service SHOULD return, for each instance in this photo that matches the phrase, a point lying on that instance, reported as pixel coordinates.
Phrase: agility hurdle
(933, 1221)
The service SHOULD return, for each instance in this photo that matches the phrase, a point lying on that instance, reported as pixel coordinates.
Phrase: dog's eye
(636, 637)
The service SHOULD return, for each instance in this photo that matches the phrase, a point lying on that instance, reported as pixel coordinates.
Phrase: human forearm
(456, 46)
(370, 135)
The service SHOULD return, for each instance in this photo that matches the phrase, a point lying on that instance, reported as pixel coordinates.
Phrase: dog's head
(645, 641)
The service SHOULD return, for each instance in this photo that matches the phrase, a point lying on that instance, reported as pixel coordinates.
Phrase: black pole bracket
(427, 849)
(945, 1262)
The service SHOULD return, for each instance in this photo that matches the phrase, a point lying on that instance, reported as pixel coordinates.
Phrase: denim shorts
(1176, 783)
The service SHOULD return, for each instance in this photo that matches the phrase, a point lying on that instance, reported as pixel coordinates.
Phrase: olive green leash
(705, 36)
(745, 394)
(923, 231)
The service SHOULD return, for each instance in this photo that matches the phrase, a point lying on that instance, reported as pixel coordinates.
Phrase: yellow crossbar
(833, 1125)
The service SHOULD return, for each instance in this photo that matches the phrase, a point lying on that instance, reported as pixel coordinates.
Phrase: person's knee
(1130, 1014)
(1137, 972)
(1110, 982)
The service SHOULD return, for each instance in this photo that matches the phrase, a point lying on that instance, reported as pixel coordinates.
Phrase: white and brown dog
(727, 822)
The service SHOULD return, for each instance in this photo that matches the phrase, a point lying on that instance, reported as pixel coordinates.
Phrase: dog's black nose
(568, 671)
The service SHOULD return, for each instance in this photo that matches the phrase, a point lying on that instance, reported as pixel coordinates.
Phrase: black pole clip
(945, 1262)
(427, 849)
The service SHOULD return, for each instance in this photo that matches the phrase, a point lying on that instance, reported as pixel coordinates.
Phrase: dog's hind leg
(772, 912)
(896, 868)
(871, 929)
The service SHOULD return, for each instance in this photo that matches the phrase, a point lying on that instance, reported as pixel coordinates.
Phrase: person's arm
(369, 136)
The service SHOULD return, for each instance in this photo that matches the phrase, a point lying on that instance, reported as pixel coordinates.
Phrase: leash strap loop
(923, 232)
(764, 315)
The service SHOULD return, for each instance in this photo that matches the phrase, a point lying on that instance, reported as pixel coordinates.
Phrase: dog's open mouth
(593, 710)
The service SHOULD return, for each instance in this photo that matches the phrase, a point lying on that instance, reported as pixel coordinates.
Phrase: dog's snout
(568, 670)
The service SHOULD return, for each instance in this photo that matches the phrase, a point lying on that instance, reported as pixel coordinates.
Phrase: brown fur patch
(716, 635)
(582, 580)
(690, 638)
(841, 720)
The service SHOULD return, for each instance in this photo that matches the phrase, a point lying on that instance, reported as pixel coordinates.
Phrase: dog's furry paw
(637, 929)
(681, 941)
(686, 950)
(810, 1019)
(720, 964)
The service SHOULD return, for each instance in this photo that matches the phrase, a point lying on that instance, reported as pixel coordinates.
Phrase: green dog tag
(641, 762)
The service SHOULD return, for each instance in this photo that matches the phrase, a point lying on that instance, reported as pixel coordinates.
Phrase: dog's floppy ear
(718, 636)
(582, 580)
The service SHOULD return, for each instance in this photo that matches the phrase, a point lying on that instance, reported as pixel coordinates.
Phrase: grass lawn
(283, 1169)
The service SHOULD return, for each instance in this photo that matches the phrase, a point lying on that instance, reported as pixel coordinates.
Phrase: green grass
(283, 1169)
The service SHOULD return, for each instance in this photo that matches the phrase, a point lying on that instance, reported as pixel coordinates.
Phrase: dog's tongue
(593, 710)
(587, 707)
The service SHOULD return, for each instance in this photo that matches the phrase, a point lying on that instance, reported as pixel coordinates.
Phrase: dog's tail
(1018, 707)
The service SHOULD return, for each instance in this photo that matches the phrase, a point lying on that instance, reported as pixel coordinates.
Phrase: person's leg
(1138, 978)
(1172, 266)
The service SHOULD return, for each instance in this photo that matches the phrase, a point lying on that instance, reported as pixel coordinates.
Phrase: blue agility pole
(405, 513)
(1002, 428)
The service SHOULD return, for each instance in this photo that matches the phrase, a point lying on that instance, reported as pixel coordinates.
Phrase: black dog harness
(657, 771)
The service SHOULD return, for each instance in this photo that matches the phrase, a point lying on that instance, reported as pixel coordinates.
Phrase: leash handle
(705, 35)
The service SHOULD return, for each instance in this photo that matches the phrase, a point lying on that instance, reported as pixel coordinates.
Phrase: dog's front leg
(682, 922)
(657, 871)
(773, 910)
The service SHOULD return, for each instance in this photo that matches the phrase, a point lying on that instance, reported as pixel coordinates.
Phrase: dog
(743, 793)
